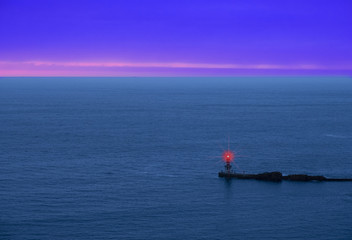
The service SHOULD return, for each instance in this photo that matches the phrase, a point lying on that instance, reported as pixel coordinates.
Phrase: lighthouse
(228, 156)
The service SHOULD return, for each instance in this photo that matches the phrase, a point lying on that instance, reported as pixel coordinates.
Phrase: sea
(138, 158)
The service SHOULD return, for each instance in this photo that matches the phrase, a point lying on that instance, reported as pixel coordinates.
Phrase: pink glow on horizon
(178, 65)
(50, 68)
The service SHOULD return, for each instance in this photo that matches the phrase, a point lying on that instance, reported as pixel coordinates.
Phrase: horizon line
(177, 64)
(161, 69)
(186, 76)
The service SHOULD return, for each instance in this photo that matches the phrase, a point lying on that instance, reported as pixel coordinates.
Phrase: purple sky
(175, 38)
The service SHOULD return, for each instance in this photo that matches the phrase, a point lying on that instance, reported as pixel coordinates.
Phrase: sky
(175, 37)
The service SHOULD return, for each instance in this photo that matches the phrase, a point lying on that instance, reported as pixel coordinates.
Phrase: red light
(228, 156)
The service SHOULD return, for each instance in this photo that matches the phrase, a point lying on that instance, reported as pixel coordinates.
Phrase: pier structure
(229, 156)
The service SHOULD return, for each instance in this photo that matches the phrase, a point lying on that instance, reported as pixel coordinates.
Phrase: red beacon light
(228, 156)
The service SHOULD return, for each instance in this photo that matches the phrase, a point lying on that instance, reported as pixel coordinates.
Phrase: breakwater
(278, 177)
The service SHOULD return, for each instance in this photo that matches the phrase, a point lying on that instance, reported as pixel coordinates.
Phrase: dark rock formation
(304, 178)
(277, 177)
(267, 176)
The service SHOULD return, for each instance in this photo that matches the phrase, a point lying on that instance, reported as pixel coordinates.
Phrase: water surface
(137, 158)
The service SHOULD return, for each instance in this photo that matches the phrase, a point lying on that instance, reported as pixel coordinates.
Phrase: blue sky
(175, 38)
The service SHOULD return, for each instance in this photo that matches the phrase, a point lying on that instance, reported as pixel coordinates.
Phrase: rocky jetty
(278, 177)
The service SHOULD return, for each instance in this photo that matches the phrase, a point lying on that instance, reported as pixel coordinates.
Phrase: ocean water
(137, 158)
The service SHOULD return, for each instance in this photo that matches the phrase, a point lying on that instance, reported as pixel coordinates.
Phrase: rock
(277, 177)
(269, 176)
(304, 177)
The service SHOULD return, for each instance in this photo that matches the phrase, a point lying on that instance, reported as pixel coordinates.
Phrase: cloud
(170, 65)
(8, 68)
